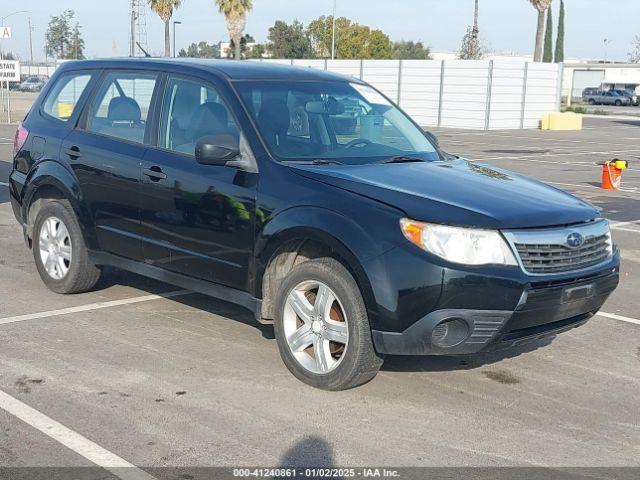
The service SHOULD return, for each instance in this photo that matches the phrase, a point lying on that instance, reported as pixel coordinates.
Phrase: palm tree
(165, 9)
(235, 13)
(541, 6)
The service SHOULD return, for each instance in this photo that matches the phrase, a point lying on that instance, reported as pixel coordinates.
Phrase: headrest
(275, 117)
(124, 109)
(209, 118)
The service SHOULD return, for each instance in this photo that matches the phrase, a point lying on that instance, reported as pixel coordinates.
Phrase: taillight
(21, 136)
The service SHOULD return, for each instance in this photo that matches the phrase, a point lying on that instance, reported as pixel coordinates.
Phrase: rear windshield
(347, 122)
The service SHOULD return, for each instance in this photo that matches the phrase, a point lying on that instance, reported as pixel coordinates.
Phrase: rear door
(106, 151)
(197, 220)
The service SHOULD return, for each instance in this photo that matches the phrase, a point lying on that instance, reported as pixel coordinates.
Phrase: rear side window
(65, 94)
(121, 106)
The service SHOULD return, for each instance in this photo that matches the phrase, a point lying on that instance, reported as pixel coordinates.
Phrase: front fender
(355, 245)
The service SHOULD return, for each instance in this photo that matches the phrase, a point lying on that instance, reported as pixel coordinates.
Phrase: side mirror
(432, 138)
(217, 149)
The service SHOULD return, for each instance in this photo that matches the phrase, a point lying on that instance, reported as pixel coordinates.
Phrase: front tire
(59, 251)
(322, 327)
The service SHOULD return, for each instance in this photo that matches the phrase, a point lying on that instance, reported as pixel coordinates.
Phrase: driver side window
(192, 110)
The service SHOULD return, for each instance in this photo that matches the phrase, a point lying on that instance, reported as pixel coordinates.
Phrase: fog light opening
(450, 332)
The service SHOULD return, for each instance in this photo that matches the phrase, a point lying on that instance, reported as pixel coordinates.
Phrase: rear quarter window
(65, 94)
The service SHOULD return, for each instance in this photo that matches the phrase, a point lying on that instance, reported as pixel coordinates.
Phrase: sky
(505, 25)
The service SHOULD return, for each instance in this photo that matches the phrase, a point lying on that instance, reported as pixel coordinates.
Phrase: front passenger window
(192, 110)
(121, 107)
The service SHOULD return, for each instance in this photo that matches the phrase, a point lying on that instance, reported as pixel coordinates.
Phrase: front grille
(550, 258)
(546, 251)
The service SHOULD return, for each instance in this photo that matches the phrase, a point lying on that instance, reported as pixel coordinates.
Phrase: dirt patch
(23, 384)
(501, 376)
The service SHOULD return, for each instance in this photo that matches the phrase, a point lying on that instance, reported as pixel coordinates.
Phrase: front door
(106, 151)
(196, 219)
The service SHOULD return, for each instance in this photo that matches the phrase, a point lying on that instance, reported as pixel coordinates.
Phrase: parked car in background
(633, 98)
(32, 84)
(589, 91)
(198, 173)
(610, 97)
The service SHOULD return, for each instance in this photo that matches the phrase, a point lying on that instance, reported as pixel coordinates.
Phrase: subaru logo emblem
(574, 240)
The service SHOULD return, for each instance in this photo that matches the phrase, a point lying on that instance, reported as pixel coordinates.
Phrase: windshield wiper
(317, 161)
(401, 159)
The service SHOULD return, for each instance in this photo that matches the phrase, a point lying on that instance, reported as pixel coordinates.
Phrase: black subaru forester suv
(354, 242)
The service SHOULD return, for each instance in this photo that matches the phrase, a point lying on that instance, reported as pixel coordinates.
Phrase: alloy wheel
(55, 248)
(315, 327)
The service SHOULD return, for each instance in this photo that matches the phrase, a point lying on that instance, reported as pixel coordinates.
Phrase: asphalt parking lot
(165, 378)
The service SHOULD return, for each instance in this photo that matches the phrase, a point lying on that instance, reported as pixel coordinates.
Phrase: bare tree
(235, 13)
(541, 6)
(634, 55)
(471, 49)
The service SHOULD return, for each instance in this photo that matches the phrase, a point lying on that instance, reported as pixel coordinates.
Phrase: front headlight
(468, 246)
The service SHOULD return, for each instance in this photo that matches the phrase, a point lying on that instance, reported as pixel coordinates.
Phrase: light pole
(8, 97)
(333, 32)
(175, 22)
(2, 19)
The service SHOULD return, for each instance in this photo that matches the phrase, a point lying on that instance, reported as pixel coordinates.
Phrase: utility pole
(30, 44)
(138, 28)
(132, 47)
(333, 33)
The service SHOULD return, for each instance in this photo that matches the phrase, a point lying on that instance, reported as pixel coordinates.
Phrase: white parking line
(626, 226)
(619, 317)
(629, 223)
(570, 184)
(518, 157)
(623, 229)
(4, 184)
(92, 306)
(72, 440)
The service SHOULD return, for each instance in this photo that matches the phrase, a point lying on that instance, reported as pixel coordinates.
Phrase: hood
(457, 192)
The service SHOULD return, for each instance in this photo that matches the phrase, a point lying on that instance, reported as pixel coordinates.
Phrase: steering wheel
(357, 141)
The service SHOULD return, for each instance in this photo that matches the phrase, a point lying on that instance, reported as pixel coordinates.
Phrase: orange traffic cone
(612, 173)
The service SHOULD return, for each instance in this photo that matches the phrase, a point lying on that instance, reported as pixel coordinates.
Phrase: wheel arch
(50, 180)
(302, 234)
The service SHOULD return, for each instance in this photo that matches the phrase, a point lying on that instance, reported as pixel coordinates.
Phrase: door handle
(73, 152)
(154, 173)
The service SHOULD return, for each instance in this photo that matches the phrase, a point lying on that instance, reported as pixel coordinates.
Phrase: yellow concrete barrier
(562, 121)
(65, 110)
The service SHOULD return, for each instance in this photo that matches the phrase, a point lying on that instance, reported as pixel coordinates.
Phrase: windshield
(334, 121)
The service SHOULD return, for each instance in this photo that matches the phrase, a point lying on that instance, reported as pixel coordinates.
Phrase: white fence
(483, 95)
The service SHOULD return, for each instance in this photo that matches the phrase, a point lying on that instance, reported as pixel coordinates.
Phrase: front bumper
(543, 310)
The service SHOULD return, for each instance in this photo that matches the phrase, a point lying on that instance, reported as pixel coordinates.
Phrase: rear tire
(59, 251)
(337, 328)
(592, 101)
(618, 103)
